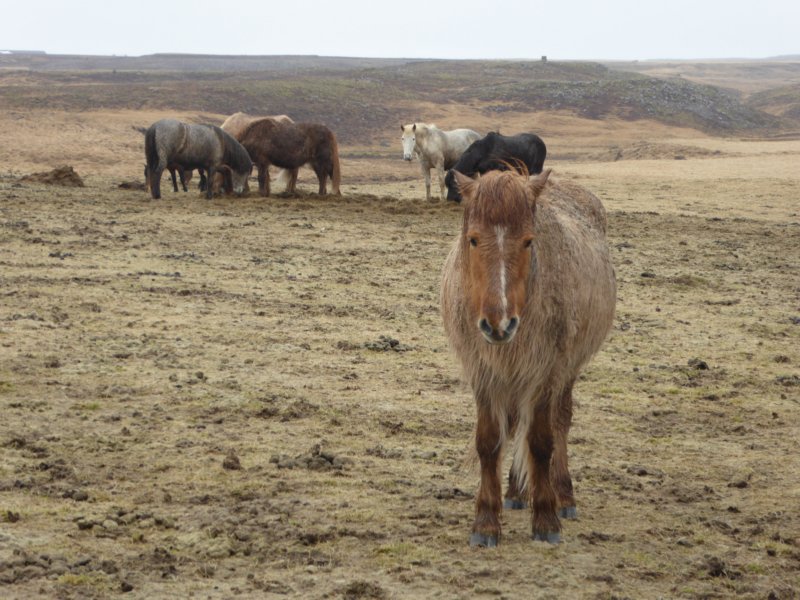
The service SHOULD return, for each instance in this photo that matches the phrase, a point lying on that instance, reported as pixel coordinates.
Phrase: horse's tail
(284, 176)
(142, 130)
(151, 156)
(150, 149)
(336, 174)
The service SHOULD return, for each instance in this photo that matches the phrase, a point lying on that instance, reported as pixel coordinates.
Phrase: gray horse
(170, 142)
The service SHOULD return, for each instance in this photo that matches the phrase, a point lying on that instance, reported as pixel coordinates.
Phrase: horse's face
(239, 180)
(497, 242)
(409, 140)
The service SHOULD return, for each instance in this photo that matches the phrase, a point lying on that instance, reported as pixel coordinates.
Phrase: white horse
(436, 149)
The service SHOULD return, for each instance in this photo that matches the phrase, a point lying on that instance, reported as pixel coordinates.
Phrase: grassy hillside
(358, 97)
(783, 101)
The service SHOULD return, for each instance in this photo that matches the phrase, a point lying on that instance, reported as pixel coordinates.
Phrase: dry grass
(142, 341)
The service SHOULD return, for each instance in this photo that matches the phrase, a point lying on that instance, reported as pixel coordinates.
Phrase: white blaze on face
(500, 232)
(409, 141)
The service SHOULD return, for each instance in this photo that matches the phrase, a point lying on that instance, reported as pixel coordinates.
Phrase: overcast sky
(561, 29)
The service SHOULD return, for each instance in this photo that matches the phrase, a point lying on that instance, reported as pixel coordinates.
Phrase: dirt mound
(132, 185)
(651, 151)
(65, 176)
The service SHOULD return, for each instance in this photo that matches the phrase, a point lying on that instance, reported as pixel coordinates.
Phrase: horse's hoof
(551, 537)
(568, 512)
(514, 504)
(482, 540)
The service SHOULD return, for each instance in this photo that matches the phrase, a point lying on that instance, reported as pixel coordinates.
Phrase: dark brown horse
(235, 125)
(290, 146)
(528, 295)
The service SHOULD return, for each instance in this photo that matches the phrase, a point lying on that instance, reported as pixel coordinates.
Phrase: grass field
(252, 397)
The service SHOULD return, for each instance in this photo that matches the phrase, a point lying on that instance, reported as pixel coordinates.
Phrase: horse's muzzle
(407, 157)
(498, 335)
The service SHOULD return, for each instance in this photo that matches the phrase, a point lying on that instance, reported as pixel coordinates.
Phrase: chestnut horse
(237, 123)
(290, 146)
(528, 295)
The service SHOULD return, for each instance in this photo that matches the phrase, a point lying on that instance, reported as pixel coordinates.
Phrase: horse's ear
(466, 185)
(414, 128)
(537, 182)
(402, 128)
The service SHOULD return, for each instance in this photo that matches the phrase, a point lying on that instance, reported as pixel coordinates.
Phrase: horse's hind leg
(322, 175)
(155, 181)
(562, 481)
(514, 499)
(174, 180)
(185, 177)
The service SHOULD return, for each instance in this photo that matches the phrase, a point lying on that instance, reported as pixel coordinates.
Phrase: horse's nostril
(512, 325)
(485, 327)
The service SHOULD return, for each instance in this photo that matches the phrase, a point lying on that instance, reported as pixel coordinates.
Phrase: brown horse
(236, 124)
(290, 146)
(528, 295)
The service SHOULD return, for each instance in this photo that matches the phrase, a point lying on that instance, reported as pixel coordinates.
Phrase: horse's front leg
(486, 528)
(561, 479)
(426, 173)
(292, 180)
(545, 525)
(211, 172)
(263, 179)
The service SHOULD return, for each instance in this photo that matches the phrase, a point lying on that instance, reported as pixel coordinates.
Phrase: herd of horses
(528, 289)
(225, 156)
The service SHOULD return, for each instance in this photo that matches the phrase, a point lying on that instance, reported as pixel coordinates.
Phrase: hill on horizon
(359, 96)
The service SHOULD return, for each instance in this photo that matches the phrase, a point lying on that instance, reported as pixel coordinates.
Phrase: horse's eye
(473, 242)
(528, 243)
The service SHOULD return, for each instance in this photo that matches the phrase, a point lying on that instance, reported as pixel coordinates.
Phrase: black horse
(497, 152)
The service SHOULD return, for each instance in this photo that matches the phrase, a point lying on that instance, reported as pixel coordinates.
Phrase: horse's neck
(426, 139)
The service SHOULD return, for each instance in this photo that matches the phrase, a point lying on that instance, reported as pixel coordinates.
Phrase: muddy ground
(254, 398)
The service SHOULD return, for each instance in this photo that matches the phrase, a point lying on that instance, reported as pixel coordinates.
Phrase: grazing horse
(497, 152)
(528, 294)
(193, 147)
(436, 149)
(290, 146)
(237, 123)
(184, 175)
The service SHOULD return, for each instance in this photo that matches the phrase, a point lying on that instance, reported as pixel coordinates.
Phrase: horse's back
(576, 203)
(455, 142)
(574, 269)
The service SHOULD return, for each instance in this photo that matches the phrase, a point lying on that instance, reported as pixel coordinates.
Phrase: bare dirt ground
(254, 397)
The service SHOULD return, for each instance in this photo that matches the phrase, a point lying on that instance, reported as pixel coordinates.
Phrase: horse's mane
(235, 154)
(426, 126)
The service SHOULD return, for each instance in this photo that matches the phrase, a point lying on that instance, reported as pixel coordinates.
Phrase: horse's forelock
(500, 198)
